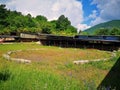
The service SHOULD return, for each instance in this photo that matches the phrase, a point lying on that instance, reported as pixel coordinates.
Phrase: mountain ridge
(107, 25)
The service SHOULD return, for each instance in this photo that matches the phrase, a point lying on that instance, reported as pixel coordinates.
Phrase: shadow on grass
(112, 79)
(5, 75)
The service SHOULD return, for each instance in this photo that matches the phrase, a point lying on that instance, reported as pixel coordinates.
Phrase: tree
(46, 30)
(71, 29)
(41, 18)
(115, 31)
(62, 23)
(13, 22)
(102, 31)
(80, 31)
(3, 15)
(29, 21)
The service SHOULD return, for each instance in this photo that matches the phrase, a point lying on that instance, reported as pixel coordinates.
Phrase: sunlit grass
(55, 54)
(55, 70)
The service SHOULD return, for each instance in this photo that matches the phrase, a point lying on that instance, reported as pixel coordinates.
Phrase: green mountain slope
(108, 25)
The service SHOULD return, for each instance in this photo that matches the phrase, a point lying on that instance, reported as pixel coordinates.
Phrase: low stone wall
(7, 56)
(113, 54)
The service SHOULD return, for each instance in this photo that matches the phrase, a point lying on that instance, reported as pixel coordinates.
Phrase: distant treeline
(13, 22)
(104, 31)
(113, 31)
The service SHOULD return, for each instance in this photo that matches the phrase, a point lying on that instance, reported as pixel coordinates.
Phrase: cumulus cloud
(52, 9)
(82, 27)
(93, 15)
(109, 10)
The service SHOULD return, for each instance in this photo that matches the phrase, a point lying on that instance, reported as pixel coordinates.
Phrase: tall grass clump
(5, 74)
(39, 80)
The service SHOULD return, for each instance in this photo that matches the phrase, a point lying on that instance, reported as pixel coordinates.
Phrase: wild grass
(55, 72)
(56, 54)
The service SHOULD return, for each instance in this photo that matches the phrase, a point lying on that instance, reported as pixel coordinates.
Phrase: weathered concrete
(113, 54)
(7, 56)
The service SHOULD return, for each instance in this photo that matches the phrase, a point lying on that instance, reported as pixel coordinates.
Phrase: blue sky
(82, 13)
(88, 8)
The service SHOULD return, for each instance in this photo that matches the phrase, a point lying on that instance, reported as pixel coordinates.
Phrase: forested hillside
(13, 22)
(107, 28)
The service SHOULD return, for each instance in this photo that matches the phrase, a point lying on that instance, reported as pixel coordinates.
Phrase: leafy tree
(62, 23)
(3, 15)
(29, 22)
(102, 31)
(13, 22)
(72, 29)
(46, 30)
(53, 23)
(41, 18)
(115, 31)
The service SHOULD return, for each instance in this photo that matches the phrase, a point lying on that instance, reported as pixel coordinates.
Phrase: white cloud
(93, 15)
(97, 21)
(52, 9)
(82, 27)
(109, 10)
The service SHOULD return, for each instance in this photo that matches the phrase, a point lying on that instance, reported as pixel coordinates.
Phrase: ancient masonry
(8, 57)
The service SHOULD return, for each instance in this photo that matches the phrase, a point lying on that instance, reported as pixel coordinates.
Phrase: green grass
(51, 74)
(27, 77)
(56, 54)
(38, 80)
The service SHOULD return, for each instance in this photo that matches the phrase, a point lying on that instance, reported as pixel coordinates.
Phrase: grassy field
(52, 68)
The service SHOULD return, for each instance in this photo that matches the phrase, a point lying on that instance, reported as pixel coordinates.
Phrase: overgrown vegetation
(60, 54)
(4, 74)
(114, 31)
(13, 22)
(57, 74)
